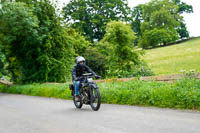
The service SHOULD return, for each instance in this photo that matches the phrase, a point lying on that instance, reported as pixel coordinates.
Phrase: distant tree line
(158, 17)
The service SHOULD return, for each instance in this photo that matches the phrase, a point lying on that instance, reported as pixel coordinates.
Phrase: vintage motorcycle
(88, 93)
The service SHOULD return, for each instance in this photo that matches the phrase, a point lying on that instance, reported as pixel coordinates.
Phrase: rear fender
(71, 87)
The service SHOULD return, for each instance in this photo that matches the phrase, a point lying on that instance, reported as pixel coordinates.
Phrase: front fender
(94, 85)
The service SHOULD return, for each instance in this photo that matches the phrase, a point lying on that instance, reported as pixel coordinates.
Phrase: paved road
(26, 114)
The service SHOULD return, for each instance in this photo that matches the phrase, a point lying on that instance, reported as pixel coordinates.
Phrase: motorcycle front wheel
(95, 98)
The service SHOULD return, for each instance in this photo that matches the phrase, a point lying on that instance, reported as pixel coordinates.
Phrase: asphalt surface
(27, 114)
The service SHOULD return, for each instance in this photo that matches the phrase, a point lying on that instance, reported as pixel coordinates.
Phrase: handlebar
(90, 75)
(87, 74)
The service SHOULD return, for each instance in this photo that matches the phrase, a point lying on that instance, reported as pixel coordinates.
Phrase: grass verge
(184, 94)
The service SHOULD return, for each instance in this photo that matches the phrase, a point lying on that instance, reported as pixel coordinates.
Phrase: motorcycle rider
(77, 72)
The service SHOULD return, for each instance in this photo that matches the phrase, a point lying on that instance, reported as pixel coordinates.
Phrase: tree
(3, 62)
(119, 44)
(16, 27)
(183, 8)
(137, 13)
(96, 60)
(79, 43)
(137, 16)
(156, 36)
(160, 23)
(35, 42)
(136, 24)
(91, 16)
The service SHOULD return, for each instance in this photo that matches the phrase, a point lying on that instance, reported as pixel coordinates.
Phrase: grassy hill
(175, 58)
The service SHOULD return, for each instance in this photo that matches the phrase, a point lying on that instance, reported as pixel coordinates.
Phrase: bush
(37, 45)
(123, 60)
(96, 61)
(136, 71)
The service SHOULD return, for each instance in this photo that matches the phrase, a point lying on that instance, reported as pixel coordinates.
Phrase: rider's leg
(76, 85)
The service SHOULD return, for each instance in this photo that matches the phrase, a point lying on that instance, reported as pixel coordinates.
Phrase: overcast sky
(192, 20)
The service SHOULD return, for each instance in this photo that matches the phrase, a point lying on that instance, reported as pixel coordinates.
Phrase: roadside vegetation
(183, 94)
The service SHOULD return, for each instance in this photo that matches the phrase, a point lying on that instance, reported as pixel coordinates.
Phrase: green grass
(45, 90)
(172, 59)
(183, 94)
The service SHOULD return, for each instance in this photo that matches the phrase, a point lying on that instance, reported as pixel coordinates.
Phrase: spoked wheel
(95, 99)
(78, 104)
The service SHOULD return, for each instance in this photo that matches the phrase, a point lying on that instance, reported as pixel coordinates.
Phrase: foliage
(119, 44)
(136, 24)
(137, 16)
(36, 43)
(91, 16)
(183, 8)
(183, 94)
(96, 60)
(182, 30)
(79, 43)
(18, 24)
(3, 63)
(190, 74)
(137, 13)
(136, 71)
(157, 36)
(160, 21)
(173, 59)
(141, 70)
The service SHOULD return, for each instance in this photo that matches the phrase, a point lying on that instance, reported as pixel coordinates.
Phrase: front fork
(91, 87)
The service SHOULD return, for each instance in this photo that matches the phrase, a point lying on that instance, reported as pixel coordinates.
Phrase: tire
(95, 98)
(78, 104)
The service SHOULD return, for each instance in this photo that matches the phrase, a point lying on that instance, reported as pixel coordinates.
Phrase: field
(175, 58)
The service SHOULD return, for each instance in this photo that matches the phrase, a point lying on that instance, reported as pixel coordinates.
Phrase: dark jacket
(78, 70)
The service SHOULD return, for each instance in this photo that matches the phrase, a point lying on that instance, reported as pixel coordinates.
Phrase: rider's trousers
(76, 85)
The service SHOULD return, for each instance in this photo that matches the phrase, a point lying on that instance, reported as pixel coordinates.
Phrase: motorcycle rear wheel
(78, 104)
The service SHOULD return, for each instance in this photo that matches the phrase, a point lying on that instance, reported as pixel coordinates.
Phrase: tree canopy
(160, 23)
(138, 16)
(36, 44)
(118, 45)
(183, 8)
(91, 16)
